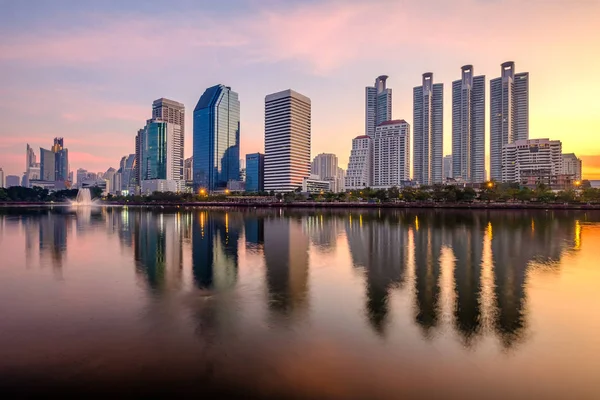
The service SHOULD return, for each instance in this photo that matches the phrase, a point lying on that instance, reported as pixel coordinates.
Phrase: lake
(328, 304)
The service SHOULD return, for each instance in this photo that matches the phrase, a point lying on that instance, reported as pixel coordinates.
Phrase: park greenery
(490, 192)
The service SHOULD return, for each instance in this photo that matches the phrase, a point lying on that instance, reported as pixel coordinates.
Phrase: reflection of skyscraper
(53, 237)
(254, 231)
(286, 258)
(158, 248)
(369, 240)
(428, 246)
(215, 244)
(467, 245)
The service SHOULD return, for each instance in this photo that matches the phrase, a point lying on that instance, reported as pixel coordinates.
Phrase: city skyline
(103, 95)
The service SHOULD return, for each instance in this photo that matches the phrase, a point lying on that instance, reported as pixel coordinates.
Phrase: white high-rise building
(378, 104)
(509, 114)
(531, 158)
(391, 154)
(468, 127)
(287, 140)
(428, 112)
(572, 166)
(359, 172)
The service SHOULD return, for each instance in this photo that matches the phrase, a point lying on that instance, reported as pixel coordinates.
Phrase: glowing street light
(490, 184)
(202, 192)
(226, 191)
(577, 183)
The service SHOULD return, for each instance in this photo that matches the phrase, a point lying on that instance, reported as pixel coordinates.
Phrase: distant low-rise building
(12, 180)
(150, 186)
(532, 160)
(313, 184)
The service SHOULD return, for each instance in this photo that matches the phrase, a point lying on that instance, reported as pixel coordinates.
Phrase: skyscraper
(161, 156)
(428, 110)
(1, 178)
(359, 174)
(172, 112)
(391, 154)
(61, 163)
(47, 165)
(468, 127)
(255, 172)
(287, 140)
(378, 104)
(509, 113)
(139, 157)
(216, 138)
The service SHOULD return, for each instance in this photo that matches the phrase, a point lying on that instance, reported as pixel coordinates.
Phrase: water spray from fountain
(84, 198)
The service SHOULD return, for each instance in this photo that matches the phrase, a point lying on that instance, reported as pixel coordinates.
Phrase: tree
(543, 193)
(408, 194)
(394, 193)
(469, 194)
(566, 196)
(524, 194)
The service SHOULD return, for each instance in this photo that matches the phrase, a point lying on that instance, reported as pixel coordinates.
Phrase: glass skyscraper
(255, 172)
(216, 138)
(154, 164)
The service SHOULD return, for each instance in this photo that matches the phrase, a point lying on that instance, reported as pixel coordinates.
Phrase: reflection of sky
(488, 281)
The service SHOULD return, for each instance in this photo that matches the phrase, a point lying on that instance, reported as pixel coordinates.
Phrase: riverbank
(336, 205)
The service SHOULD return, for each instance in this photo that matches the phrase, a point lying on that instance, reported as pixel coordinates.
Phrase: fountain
(84, 198)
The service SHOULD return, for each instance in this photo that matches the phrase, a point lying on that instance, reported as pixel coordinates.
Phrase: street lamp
(226, 191)
(202, 192)
(490, 184)
(577, 183)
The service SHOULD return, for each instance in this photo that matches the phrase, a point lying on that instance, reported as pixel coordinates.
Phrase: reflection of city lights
(416, 223)
(360, 220)
(226, 223)
(577, 235)
(532, 226)
(489, 230)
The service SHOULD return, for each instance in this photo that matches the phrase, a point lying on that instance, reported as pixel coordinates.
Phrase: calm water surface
(301, 304)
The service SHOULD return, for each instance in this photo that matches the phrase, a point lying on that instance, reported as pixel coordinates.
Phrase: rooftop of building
(393, 122)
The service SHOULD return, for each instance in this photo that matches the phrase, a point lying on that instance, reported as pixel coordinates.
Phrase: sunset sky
(89, 70)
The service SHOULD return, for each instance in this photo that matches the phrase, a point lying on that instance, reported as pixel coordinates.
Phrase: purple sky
(89, 71)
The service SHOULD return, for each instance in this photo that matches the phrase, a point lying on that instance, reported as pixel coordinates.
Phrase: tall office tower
(532, 161)
(572, 166)
(378, 104)
(428, 111)
(61, 163)
(391, 154)
(1, 178)
(509, 113)
(161, 158)
(216, 138)
(47, 165)
(468, 127)
(447, 168)
(139, 156)
(30, 159)
(359, 174)
(255, 172)
(127, 170)
(287, 140)
(172, 112)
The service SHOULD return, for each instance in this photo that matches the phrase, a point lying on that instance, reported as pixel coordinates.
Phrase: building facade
(378, 104)
(47, 165)
(160, 152)
(2, 184)
(287, 140)
(255, 172)
(447, 167)
(12, 180)
(314, 185)
(359, 174)
(572, 166)
(428, 111)
(468, 127)
(524, 159)
(216, 138)
(509, 114)
(391, 154)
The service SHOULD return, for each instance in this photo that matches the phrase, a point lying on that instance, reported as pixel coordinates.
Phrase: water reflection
(465, 271)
